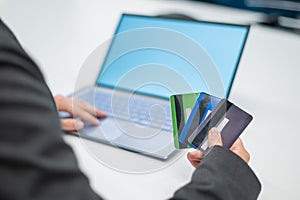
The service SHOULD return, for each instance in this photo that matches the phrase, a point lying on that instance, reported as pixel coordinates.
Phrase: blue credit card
(203, 106)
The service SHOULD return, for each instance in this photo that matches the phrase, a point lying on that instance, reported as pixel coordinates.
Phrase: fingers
(195, 158)
(86, 116)
(89, 108)
(214, 137)
(63, 104)
(239, 149)
(71, 124)
(238, 144)
(79, 108)
(100, 113)
(86, 111)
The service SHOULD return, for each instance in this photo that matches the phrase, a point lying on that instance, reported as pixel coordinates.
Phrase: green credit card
(181, 107)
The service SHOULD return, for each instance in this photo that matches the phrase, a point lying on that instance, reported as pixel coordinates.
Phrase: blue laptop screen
(162, 57)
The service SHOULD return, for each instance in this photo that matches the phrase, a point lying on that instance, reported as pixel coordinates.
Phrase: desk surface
(61, 34)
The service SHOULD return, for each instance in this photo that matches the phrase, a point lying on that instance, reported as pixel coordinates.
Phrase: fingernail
(213, 136)
(214, 132)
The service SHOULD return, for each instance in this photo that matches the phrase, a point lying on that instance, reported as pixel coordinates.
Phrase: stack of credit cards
(194, 114)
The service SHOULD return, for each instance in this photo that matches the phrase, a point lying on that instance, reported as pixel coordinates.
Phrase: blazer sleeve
(221, 175)
(35, 162)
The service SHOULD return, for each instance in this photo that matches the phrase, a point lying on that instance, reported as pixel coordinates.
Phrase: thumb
(214, 137)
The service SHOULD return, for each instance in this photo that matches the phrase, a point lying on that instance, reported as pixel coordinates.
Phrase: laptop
(150, 59)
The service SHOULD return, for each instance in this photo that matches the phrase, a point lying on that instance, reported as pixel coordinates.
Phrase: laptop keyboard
(139, 109)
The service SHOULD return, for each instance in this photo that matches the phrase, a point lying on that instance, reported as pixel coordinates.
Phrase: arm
(35, 163)
(221, 174)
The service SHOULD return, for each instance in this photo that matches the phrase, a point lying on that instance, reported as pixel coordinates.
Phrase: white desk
(61, 34)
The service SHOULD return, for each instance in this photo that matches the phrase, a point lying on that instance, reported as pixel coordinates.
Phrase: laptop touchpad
(107, 130)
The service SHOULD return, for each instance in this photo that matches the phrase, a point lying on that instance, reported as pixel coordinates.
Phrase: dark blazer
(35, 162)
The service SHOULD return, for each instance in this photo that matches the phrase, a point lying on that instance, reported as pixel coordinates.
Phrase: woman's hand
(214, 139)
(77, 108)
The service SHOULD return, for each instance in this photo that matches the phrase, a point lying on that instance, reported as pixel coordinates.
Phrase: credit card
(228, 118)
(204, 105)
(181, 107)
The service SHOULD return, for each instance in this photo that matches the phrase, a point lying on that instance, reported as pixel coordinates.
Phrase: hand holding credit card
(191, 126)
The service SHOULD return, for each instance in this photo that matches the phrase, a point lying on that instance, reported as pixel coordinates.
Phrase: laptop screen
(161, 57)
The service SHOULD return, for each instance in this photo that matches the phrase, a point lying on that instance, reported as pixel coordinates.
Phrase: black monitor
(284, 13)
